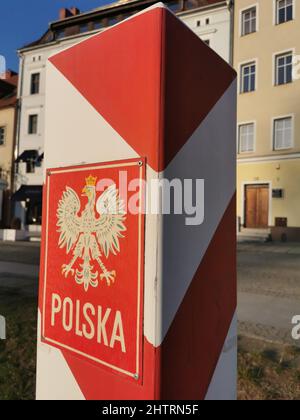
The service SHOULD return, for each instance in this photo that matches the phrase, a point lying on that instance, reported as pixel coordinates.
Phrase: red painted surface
(156, 95)
(195, 340)
(123, 299)
(98, 384)
(196, 337)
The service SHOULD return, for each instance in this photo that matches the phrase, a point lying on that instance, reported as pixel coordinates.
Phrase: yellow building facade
(267, 57)
(8, 100)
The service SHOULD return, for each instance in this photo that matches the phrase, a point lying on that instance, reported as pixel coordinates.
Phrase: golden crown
(91, 181)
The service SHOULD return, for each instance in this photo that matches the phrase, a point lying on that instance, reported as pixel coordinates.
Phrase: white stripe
(210, 155)
(223, 385)
(55, 380)
(75, 133)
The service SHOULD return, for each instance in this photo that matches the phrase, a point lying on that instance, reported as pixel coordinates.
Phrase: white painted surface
(33, 60)
(217, 31)
(12, 235)
(2, 328)
(223, 385)
(50, 385)
(83, 136)
(210, 155)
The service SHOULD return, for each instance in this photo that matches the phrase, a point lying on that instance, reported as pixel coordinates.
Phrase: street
(268, 290)
(268, 298)
(18, 304)
(268, 284)
(19, 267)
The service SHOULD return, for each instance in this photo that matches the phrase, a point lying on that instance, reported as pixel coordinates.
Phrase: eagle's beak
(84, 192)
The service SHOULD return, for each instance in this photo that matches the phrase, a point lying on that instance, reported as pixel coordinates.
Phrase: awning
(28, 156)
(29, 193)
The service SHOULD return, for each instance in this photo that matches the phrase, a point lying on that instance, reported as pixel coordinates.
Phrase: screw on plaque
(136, 376)
(140, 163)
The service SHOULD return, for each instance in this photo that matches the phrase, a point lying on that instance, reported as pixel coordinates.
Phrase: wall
(268, 101)
(283, 174)
(217, 32)
(7, 116)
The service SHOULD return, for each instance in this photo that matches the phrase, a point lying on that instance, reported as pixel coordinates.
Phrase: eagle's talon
(66, 269)
(109, 276)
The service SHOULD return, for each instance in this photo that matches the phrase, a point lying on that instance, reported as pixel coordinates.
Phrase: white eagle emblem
(90, 236)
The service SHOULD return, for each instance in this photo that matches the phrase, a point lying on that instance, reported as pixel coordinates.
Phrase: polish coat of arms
(90, 236)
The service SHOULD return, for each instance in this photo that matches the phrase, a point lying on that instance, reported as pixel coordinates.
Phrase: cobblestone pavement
(19, 268)
(20, 252)
(268, 290)
(268, 284)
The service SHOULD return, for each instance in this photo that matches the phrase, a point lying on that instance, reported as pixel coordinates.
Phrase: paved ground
(268, 290)
(20, 252)
(268, 284)
(269, 295)
(19, 267)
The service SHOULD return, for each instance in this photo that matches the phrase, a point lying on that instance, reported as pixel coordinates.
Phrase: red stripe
(192, 347)
(152, 80)
(183, 366)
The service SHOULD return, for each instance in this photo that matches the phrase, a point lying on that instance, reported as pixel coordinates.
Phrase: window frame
(241, 21)
(4, 135)
(241, 78)
(243, 124)
(276, 13)
(29, 131)
(35, 73)
(273, 131)
(277, 55)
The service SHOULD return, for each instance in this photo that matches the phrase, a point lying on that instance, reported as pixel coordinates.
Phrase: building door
(257, 206)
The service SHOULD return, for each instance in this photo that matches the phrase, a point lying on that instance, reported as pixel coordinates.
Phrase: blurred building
(210, 19)
(8, 105)
(266, 43)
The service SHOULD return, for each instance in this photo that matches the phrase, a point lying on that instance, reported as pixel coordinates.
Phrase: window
(2, 136)
(284, 11)
(246, 138)
(60, 34)
(207, 21)
(30, 167)
(98, 24)
(112, 21)
(248, 77)
(283, 133)
(249, 21)
(84, 27)
(35, 84)
(175, 6)
(33, 124)
(284, 68)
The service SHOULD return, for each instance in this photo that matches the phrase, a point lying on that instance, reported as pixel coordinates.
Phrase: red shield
(91, 292)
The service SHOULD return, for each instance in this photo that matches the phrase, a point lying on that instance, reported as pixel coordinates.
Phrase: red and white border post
(140, 305)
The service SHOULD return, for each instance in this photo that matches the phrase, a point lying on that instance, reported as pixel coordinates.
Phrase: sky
(24, 21)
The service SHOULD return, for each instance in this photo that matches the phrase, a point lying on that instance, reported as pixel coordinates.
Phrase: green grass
(268, 371)
(18, 351)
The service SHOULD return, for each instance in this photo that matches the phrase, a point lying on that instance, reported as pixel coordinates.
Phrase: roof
(28, 155)
(28, 192)
(8, 90)
(107, 11)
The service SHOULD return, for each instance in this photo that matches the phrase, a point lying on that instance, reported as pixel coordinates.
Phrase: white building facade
(211, 20)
